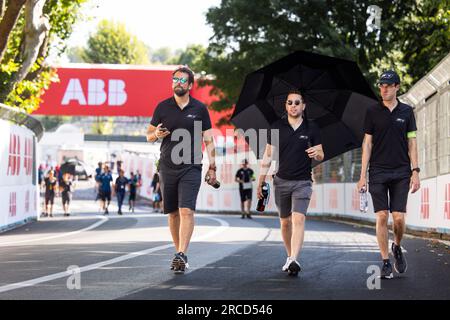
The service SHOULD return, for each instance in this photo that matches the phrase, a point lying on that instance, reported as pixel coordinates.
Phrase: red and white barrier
(18, 181)
(428, 209)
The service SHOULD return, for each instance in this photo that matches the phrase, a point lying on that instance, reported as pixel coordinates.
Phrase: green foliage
(112, 43)
(161, 55)
(26, 94)
(193, 56)
(53, 122)
(414, 37)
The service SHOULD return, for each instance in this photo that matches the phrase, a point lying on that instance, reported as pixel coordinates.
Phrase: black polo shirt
(389, 136)
(294, 163)
(245, 174)
(194, 118)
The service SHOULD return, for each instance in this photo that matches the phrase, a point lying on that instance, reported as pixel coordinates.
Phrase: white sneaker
(286, 265)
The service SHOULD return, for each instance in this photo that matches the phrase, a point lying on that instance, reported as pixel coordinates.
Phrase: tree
(248, 36)
(161, 55)
(27, 29)
(193, 56)
(75, 54)
(112, 43)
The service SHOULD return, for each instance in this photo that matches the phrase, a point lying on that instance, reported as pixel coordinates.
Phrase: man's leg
(398, 226)
(248, 203)
(382, 233)
(174, 226)
(286, 233)
(186, 228)
(298, 234)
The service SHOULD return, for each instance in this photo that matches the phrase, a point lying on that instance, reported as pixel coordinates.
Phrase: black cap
(389, 77)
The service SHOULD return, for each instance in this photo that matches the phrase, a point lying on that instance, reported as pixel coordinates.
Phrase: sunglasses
(296, 102)
(180, 80)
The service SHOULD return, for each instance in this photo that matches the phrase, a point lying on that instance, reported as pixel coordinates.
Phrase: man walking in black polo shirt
(299, 142)
(182, 122)
(245, 177)
(390, 151)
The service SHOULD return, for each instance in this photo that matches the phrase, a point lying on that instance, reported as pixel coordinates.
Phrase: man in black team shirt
(184, 118)
(299, 143)
(245, 177)
(66, 188)
(390, 151)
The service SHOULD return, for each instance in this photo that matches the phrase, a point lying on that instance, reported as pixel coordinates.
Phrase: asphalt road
(128, 257)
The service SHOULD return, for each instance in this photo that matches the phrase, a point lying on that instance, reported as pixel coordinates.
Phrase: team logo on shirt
(191, 116)
(400, 120)
(303, 137)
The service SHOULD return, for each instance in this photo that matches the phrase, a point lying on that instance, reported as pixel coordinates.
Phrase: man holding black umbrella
(299, 142)
(390, 151)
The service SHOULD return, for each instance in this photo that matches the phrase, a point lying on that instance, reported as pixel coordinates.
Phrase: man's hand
(158, 133)
(315, 152)
(261, 181)
(212, 176)
(362, 184)
(414, 185)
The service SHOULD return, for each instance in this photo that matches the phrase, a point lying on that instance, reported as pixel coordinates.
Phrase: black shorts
(180, 187)
(66, 196)
(132, 196)
(389, 190)
(49, 198)
(105, 195)
(246, 194)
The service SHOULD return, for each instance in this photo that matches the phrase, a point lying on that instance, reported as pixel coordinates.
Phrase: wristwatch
(212, 167)
(416, 169)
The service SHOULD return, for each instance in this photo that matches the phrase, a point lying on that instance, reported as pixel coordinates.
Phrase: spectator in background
(157, 195)
(139, 182)
(120, 189)
(245, 177)
(40, 176)
(50, 184)
(66, 188)
(105, 189)
(98, 173)
(133, 184)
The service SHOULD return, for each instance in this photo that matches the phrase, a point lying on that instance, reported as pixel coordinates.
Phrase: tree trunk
(2, 8)
(42, 53)
(36, 31)
(8, 22)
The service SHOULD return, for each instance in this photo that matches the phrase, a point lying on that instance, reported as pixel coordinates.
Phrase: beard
(179, 91)
(295, 115)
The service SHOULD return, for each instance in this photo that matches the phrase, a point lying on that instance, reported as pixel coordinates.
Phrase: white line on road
(223, 226)
(92, 226)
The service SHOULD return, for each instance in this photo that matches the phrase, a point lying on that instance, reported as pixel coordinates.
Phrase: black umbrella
(335, 92)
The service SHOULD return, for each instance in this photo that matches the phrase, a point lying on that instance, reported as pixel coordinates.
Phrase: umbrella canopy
(335, 91)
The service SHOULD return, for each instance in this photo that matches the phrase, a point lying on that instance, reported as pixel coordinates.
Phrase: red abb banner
(111, 90)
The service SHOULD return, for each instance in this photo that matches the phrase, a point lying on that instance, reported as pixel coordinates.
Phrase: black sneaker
(400, 264)
(119, 213)
(182, 263)
(243, 216)
(249, 216)
(386, 271)
(174, 262)
(294, 268)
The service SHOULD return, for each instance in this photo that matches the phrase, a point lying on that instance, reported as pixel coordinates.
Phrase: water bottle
(363, 200)
(216, 185)
(261, 206)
